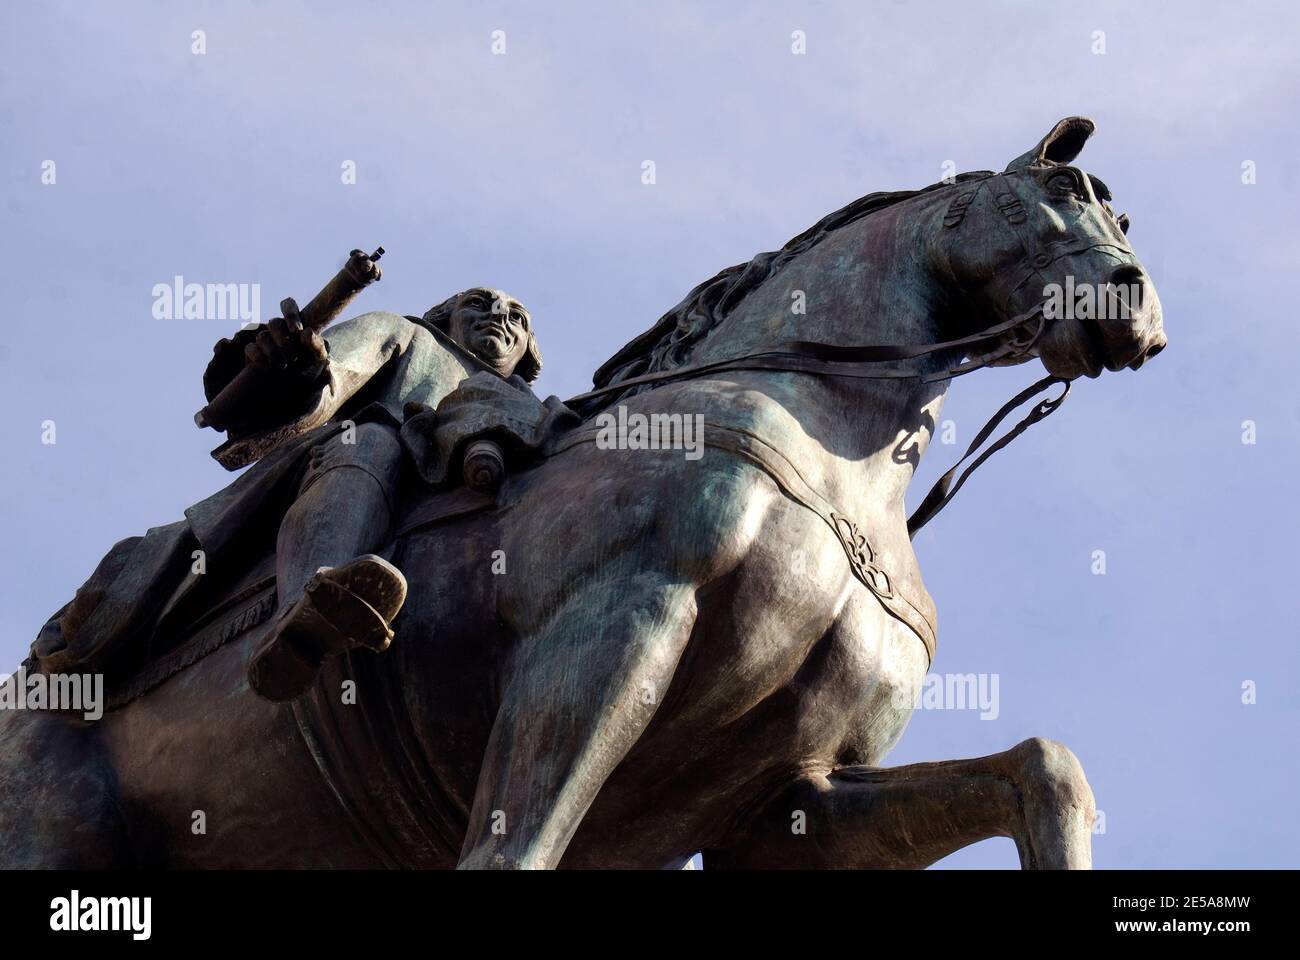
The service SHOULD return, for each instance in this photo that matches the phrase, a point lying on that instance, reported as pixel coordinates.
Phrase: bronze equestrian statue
(611, 659)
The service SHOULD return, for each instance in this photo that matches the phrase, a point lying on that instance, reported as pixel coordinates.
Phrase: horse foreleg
(577, 696)
(909, 817)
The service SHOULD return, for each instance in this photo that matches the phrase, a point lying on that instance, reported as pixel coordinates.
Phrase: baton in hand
(359, 272)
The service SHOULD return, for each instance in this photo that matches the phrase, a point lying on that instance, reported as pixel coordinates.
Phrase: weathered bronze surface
(622, 656)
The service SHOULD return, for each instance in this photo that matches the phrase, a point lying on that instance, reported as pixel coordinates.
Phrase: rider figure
(334, 593)
(327, 426)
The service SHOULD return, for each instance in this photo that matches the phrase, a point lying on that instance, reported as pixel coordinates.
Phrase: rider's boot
(335, 595)
(341, 609)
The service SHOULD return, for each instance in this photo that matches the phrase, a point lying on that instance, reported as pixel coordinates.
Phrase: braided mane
(668, 343)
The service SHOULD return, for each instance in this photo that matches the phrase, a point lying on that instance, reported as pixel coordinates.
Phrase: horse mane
(668, 343)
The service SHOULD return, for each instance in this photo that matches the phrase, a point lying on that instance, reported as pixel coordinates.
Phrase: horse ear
(1061, 145)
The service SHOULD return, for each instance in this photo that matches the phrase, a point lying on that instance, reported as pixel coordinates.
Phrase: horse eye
(1123, 223)
(1063, 183)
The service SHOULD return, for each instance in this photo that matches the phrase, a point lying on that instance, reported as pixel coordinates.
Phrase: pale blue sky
(523, 172)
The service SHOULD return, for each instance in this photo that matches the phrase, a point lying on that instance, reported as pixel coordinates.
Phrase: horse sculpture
(631, 656)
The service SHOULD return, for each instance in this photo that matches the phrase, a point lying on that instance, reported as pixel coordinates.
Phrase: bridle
(860, 362)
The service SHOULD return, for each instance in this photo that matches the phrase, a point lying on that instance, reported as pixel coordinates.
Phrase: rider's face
(492, 325)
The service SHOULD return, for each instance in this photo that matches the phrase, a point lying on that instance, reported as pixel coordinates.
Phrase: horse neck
(872, 282)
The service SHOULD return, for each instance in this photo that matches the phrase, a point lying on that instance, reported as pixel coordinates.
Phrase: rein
(836, 360)
(940, 494)
(860, 362)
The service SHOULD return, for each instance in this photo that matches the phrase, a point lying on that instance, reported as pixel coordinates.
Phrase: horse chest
(845, 692)
(873, 663)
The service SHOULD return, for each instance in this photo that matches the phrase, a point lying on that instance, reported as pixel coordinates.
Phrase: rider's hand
(287, 345)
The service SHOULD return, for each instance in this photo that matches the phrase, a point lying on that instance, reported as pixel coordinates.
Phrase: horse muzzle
(1130, 327)
(1123, 330)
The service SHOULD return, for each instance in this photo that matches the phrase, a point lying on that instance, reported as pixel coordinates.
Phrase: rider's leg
(343, 511)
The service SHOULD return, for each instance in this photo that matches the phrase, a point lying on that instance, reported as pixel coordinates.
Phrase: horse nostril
(1128, 275)
(1148, 353)
(1127, 290)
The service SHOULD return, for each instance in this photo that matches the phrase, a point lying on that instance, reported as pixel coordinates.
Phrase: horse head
(1043, 234)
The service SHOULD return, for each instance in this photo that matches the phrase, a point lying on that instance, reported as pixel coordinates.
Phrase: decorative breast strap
(861, 555)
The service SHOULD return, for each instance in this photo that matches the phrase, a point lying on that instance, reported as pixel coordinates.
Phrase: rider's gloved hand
(289, 345)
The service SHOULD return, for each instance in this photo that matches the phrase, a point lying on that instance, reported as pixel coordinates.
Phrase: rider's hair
(440, 316)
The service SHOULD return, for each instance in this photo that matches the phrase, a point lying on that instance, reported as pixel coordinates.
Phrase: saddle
(228, 612)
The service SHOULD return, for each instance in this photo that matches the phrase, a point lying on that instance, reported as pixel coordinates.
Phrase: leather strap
(831, 359)
(941, 494)
(1004, 193)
